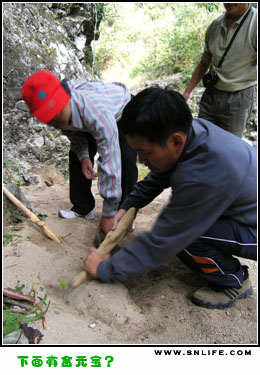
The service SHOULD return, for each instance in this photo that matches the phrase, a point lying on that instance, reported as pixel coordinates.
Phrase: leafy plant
(64, 285)
(149, 40)
(51, 50)
(210, 7)
(20, 309)
(9, 237)
(19, 287)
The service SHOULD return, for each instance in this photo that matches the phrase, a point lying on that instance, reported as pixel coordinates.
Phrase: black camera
(210, 79)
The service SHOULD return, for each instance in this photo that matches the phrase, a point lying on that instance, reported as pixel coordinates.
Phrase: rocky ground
(152, 309)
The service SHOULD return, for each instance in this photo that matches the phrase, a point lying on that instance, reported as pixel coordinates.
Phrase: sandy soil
(153, 309)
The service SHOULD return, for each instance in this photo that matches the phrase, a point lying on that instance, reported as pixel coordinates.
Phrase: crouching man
(211, 217)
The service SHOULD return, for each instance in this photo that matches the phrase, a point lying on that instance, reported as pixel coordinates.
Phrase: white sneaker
(90, 215)
(132, 228)
(68, 214)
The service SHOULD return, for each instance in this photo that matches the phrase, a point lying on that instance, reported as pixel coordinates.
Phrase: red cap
(44, 95)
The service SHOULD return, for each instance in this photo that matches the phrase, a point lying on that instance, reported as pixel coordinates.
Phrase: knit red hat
(44, 95)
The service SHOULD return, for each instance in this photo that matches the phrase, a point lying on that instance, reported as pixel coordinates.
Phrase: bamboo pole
(31, 215)
(110, 241)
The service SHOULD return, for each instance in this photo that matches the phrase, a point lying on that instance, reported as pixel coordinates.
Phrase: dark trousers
(229, 110)
(80, 188)
(212, 255)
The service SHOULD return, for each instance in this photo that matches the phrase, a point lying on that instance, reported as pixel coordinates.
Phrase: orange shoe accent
(203, 260)
(209, 270)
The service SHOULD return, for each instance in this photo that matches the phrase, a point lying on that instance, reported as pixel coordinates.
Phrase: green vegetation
(149, 40)
(64, 285)
(9, 237)
(142, 171)
(13, 170)
(20, 308)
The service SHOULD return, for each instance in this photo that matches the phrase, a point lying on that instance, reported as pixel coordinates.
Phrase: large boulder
(42, 36)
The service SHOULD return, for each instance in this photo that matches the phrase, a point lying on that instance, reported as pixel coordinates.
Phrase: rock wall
(56, 37)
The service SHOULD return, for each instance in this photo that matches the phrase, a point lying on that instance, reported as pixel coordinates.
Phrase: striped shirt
(96, 108)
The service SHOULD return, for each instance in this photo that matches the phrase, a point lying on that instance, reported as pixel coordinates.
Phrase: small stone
(15, 338)
(92, 325)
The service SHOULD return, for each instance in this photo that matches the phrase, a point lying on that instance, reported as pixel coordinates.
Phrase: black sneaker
(215, 297)
(99, 238)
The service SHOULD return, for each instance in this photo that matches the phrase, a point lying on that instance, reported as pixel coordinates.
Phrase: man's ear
(177, 140)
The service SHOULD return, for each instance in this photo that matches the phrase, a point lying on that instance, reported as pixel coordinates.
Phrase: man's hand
(87, 169)
(106, 224)
(92, 262)
(110, 223)
(118, 217)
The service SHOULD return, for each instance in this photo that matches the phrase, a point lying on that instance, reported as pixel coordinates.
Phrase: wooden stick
(31, 215)
(110, 241)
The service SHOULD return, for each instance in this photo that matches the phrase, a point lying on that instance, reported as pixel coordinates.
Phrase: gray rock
(41, 36)
(11, 212)
(15, 337)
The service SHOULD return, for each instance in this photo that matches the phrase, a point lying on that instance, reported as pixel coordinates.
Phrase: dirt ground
(152, 309)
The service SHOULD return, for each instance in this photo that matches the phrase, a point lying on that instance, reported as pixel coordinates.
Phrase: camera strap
(237, 30)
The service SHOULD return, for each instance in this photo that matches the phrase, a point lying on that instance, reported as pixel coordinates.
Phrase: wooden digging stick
(33, 217)
(110, 241)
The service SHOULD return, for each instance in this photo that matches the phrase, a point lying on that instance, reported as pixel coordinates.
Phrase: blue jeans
(212, 255)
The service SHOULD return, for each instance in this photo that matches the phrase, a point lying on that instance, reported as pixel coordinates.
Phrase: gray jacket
(215, 176)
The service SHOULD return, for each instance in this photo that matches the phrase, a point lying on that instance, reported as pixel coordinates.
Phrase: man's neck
(232, 19)
(235, 17)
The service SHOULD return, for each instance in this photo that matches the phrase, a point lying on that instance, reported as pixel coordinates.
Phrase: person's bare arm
(195, 79)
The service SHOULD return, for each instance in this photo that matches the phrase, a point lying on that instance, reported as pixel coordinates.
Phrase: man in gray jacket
(212, 213)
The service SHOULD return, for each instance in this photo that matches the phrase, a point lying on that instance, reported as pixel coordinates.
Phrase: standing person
(212, 213)
(229, 102)
(88, 113)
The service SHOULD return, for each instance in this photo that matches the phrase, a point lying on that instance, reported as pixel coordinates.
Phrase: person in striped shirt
(88, 114)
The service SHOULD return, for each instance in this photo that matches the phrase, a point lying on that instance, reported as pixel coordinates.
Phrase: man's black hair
(64, 84)
(154, 114)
